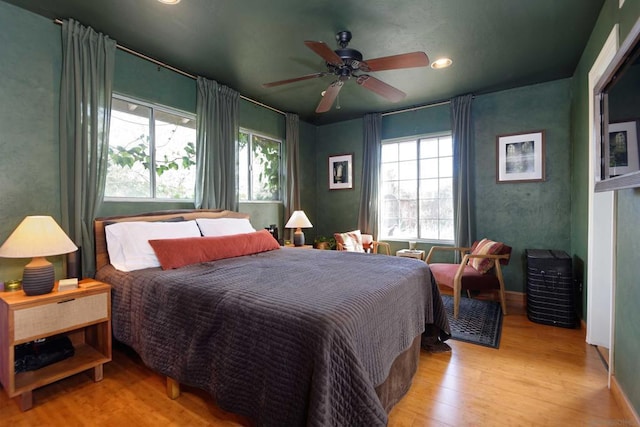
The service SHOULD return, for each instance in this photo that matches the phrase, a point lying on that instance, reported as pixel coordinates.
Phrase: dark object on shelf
(74, 264)
(551, 294)
(36, 354)
(273, 229)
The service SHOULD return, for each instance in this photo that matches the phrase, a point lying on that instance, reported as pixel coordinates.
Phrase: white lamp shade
(37, 236)
(298, 220)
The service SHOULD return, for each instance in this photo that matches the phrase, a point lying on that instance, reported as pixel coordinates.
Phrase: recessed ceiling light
(169, 1)
(441, 63)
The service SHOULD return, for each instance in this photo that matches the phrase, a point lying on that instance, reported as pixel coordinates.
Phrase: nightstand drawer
(45, 319)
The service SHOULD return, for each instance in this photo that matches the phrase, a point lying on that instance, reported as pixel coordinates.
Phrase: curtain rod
(184, 73)
(420, 107)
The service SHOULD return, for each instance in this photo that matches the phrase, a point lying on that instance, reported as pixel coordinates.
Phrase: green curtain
(372, 151)
(216, 146)
(85, 112)
(462, 133)
(292, 174)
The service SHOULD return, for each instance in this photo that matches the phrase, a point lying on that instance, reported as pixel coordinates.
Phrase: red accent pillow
(176, 253)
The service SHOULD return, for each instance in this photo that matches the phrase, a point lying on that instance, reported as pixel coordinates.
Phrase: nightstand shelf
(83, 315)
(408, 253)
(85, 358)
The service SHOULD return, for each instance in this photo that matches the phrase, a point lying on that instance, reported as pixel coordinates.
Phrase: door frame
(601, 239)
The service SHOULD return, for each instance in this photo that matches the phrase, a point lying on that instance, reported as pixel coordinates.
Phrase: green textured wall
(308, 171)
(627, 319)
(524, 215)
(418, 122)
(30, 64)
(142, 79)
(627, 298)
(337, 210)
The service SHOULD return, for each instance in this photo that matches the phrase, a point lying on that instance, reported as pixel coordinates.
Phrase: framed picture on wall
(520, 157)
(341, 172)
(623, 148)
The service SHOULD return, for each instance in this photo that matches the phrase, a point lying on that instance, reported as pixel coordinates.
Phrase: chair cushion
(350, 241)
(484, 247)
(471, 278)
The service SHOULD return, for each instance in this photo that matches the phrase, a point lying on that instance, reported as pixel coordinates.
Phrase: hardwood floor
(540, 376)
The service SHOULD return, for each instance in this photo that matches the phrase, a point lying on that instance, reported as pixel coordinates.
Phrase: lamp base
(298, 238)
(38, 279)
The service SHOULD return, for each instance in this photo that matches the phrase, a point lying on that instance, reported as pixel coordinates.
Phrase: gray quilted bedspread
(288, 337)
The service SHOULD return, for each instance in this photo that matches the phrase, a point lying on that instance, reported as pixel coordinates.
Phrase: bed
(283, 336)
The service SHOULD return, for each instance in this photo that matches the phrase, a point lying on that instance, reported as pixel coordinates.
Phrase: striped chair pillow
(484, 247)
(350, 241)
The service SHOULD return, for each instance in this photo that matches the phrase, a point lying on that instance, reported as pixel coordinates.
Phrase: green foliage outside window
(261, 165)
(127, 157)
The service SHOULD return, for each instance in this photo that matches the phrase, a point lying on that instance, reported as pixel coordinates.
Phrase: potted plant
(326, 243)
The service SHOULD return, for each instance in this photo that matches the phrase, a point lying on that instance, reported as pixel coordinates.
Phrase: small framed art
(341, 172)
(623, 148)
(520, 157)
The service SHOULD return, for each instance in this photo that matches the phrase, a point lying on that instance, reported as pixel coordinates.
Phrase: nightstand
(82, 314)
(418, 254)
(298, 247)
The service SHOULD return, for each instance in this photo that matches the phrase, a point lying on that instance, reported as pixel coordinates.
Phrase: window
(416, 193)
(152, 152)
(259, 167)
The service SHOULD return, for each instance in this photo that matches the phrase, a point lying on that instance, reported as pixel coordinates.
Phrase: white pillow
(128, 242)
(224, 226)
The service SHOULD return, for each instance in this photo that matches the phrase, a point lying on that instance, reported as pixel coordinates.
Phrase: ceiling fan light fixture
(441, 63)
(169, 1)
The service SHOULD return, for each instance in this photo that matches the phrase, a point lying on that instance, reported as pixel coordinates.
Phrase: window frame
(152, 151)
(416, 138)
(281, 164)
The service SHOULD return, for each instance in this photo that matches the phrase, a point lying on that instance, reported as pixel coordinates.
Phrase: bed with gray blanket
(286, 337)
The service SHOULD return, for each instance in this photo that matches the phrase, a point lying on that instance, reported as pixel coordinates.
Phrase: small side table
(82, 314)
(418, 254)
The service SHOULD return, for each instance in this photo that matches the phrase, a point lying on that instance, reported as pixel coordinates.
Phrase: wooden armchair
(480, 270)
(354, 241)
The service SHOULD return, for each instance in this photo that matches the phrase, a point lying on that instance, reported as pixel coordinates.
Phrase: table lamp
(298, 221)
(37, 237)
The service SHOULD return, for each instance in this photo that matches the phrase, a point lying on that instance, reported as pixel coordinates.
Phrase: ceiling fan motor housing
(351, 58)
(343, 38)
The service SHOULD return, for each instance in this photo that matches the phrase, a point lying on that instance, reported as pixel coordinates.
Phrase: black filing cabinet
(551, 293)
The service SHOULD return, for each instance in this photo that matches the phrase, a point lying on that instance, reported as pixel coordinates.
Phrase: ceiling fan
(345, 62)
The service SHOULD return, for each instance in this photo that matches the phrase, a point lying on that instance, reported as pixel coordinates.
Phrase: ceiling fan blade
(330, 95)
(322, 49)
(295, 79)
(394, 62)
(381, 88)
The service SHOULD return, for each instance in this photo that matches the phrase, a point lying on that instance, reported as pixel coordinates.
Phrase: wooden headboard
(102, 255)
